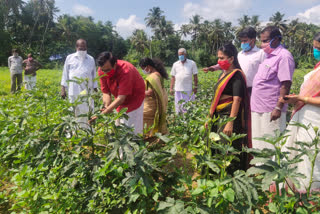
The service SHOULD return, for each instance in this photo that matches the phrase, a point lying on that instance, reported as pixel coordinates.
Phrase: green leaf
(228, 194)
(197, 191)
(301, 210)
(272, 207)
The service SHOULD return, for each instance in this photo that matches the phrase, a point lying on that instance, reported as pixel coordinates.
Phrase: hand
(171, 91)
(205, 70)
(95, 90)
(91, 121)
(195, 90)
(148, 93)
(104, 108)
(292, 98)
(206, 125)
(228, 128)
(275, 114)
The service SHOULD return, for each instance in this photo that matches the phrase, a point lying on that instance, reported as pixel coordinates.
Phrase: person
(231, 100)
(82, 66)
(121, 79)
(156, 97)
(249, 58)
(15, 66)
(181, 80)
(306, 112)
(30, 72)
(273, 80)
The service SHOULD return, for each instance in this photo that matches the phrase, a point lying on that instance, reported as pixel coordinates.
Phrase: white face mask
(146, 72)
(82, 54)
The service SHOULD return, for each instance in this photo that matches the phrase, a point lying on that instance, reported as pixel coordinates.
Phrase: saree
(305, 114)
(242, 123)
(155, 106)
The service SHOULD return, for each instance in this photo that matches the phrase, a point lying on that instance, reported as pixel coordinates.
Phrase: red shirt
(126, 81)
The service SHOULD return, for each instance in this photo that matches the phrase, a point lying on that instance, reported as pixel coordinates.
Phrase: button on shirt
(75, 67)
(15, 64)
(250, 61)
(183, 73)
(276, 68)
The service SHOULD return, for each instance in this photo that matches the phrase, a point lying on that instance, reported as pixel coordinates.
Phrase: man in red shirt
(124, 82)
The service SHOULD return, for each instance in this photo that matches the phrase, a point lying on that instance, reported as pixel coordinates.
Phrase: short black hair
(317, 37)
(104, 57)
(249, 32)
(274, 32)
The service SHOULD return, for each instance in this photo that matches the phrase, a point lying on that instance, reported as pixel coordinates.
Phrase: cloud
(83, 10)
(302, 2)
(125, 27)
(228, 10)
(309, 16)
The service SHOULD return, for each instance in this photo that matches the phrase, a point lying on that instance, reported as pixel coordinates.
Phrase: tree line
(34, 27)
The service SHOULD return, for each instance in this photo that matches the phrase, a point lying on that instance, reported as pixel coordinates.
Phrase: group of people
(16, 64)
(253, 88)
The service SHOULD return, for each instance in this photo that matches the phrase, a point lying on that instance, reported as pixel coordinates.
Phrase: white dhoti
(82, 109)
(261, 126)
(30, 81)
(135, 120)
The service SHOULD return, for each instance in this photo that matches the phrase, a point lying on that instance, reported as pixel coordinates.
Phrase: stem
(312, 165)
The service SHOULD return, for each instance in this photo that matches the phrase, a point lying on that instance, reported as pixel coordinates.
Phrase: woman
(156, 98)
(231, 100)
(306, 111)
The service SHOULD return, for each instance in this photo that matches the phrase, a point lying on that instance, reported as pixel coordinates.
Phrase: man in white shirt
(79, 65)
(182, 73)
(249, 58)
(15, 66)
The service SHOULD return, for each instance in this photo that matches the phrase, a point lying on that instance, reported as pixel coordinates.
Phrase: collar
(277, 51)
(184, 62)
(254, 49)
(77, 55)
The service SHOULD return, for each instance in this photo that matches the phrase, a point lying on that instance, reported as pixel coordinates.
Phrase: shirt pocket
(267, 72)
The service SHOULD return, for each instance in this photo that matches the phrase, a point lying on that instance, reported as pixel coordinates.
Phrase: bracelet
(305, 99)
(278, 108)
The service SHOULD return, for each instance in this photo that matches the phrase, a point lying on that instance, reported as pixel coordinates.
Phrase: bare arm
(106, 99)
(9, 63)
(173, 80)
(117, 102)
(149, 92)
(284, 90)
(195, 80)
(228, 129)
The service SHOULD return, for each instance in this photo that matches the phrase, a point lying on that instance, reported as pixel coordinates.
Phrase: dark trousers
(16, 81)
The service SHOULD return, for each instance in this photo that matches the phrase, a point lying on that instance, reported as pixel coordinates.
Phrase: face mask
(267, 48)
(224, 65)
(15, 55)
(146, 72)
(181, 58)
(30, 58)
(316, 54)
(111, 73)
(82, 54)
(245, 47)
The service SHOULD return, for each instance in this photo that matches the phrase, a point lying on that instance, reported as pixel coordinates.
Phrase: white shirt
(15, 64)
(250, 61)
(75, 67)
(183, 73)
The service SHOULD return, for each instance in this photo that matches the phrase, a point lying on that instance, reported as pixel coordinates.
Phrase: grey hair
(182, 50)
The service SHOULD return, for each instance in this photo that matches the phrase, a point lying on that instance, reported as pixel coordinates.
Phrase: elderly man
(249, 58)
(15, 66)
(79, 65)
(122, 80)
(181, 80)
(272, 81)
(30, 72)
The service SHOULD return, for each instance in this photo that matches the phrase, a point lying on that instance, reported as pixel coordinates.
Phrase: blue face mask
(182, 58)
(316, 54)
(245, 47)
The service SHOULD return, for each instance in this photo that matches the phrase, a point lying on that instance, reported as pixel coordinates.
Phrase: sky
(128, 15)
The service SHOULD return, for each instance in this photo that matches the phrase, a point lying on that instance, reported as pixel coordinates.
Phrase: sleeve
(9, 62)
(126, 83)
(237, 86)
(194, 69)
(65, 74)
(173, 70)
(103, 83)
(286, 68)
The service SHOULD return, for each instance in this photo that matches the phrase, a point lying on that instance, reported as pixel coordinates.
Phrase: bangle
(305, 99)
(278, 108)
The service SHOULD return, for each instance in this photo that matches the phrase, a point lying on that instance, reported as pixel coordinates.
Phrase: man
(122, 80)
(249, 58)
(181, 80)
(15, 66)
(272, 81)
(79, 65)
(30, 72)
